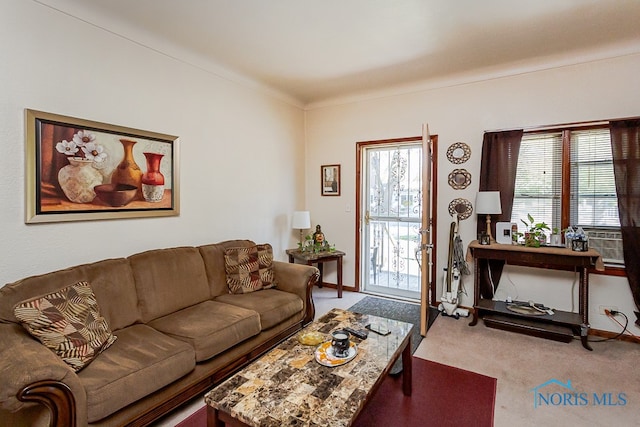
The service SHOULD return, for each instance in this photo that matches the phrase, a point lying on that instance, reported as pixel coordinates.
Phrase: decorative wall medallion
(462, 207)
(459, 179)
(458, 153)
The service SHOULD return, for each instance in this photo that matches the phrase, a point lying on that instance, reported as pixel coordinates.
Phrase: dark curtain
(498, 173)
(625, 145)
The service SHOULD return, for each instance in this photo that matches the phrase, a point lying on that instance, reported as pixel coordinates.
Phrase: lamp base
(489, 229)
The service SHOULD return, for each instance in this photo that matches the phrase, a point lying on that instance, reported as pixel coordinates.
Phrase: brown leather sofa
(179, 331)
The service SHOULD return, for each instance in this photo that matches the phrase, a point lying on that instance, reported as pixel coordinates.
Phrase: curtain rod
(565, 125)
(553, 127)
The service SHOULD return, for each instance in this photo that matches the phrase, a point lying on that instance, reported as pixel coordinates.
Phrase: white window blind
(593, 189)
(538, 187)
(594, 203)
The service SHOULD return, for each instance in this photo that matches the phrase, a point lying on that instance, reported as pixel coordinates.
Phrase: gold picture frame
(80, 170)
(330, 180)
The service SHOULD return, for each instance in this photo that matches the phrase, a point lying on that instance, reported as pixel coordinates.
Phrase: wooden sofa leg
(311, 308)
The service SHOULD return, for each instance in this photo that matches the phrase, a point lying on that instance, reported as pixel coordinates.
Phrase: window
(538, 188)
(593, 188)
(565, 177)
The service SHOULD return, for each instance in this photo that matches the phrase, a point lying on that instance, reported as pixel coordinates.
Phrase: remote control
(360, 334)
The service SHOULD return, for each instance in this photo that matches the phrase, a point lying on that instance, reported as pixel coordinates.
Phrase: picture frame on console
(330, 180)
(80, 170)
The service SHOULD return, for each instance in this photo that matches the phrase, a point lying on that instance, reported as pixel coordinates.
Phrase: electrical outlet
(602, 308)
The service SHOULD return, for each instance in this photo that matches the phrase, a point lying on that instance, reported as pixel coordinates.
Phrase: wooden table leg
(407, 374)
(212, 417)
(339, 277)
(584, 308)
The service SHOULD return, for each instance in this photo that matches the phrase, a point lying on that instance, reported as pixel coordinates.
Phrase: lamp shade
(301, 220)
(488, 203)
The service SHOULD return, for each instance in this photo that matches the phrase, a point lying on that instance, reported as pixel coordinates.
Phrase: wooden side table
(496, 313)
(319, 258)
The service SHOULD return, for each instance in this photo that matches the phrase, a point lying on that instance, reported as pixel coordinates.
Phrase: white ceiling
(313, 51)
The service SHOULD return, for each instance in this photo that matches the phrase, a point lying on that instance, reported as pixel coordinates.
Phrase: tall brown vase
(128, 172)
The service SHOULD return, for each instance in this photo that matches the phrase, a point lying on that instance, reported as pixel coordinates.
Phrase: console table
(319, 258)
(496, 314)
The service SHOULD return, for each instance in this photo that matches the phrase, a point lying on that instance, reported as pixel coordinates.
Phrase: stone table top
(287, 386)
(312, 256)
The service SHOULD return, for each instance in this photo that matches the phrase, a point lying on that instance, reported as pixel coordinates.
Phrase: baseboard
(606, 334)
(334, 286)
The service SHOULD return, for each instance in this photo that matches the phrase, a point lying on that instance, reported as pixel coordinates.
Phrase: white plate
(325, 356)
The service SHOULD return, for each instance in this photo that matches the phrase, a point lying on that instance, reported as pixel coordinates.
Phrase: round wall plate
(462, 207)
(458, 152)
(459, 179)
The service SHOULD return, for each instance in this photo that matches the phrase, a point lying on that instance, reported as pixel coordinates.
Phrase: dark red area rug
(442, 396)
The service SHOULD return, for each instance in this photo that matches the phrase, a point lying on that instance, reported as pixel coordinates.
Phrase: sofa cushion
(273, 305)
(210, 327)
(249, 269)
(168, 280)
(111, 281)
(69, 323)
(213, 256)
(140, 362)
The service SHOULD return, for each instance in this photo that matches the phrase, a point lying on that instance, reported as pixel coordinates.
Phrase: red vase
(152, 179)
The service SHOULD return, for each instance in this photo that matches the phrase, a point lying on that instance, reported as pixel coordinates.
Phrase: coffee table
(287, 386)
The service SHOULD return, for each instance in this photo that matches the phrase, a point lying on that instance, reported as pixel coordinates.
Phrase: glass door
(391, 206)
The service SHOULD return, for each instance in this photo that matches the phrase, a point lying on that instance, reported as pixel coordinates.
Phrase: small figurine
(318, 236)
(316, 243)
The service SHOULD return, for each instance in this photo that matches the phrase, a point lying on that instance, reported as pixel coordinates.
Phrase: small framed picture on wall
(330, 180)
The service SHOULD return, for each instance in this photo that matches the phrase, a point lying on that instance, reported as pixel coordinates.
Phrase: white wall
(242, 150)
(243, 163)
(592, 91)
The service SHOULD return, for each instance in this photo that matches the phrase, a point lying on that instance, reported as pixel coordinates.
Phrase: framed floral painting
(80, 170)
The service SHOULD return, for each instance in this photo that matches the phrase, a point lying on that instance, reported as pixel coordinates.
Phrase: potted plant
(534, 234)
(556, 237)
(309, 245)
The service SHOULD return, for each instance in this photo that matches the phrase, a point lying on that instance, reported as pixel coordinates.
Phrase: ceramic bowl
(116, 194)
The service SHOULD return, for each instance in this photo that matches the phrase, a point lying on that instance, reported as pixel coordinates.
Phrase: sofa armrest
(30, 372)
(298, 279)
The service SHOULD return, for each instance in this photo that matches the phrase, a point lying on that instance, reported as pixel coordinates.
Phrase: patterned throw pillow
(249, 269)
(69, 323)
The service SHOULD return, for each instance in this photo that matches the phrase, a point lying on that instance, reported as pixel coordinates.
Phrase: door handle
(418, 252)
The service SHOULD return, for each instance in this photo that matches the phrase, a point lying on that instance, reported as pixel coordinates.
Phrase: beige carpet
(522, 363)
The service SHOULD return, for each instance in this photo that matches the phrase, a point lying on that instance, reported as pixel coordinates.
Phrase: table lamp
(488, 203)
(301, 221)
